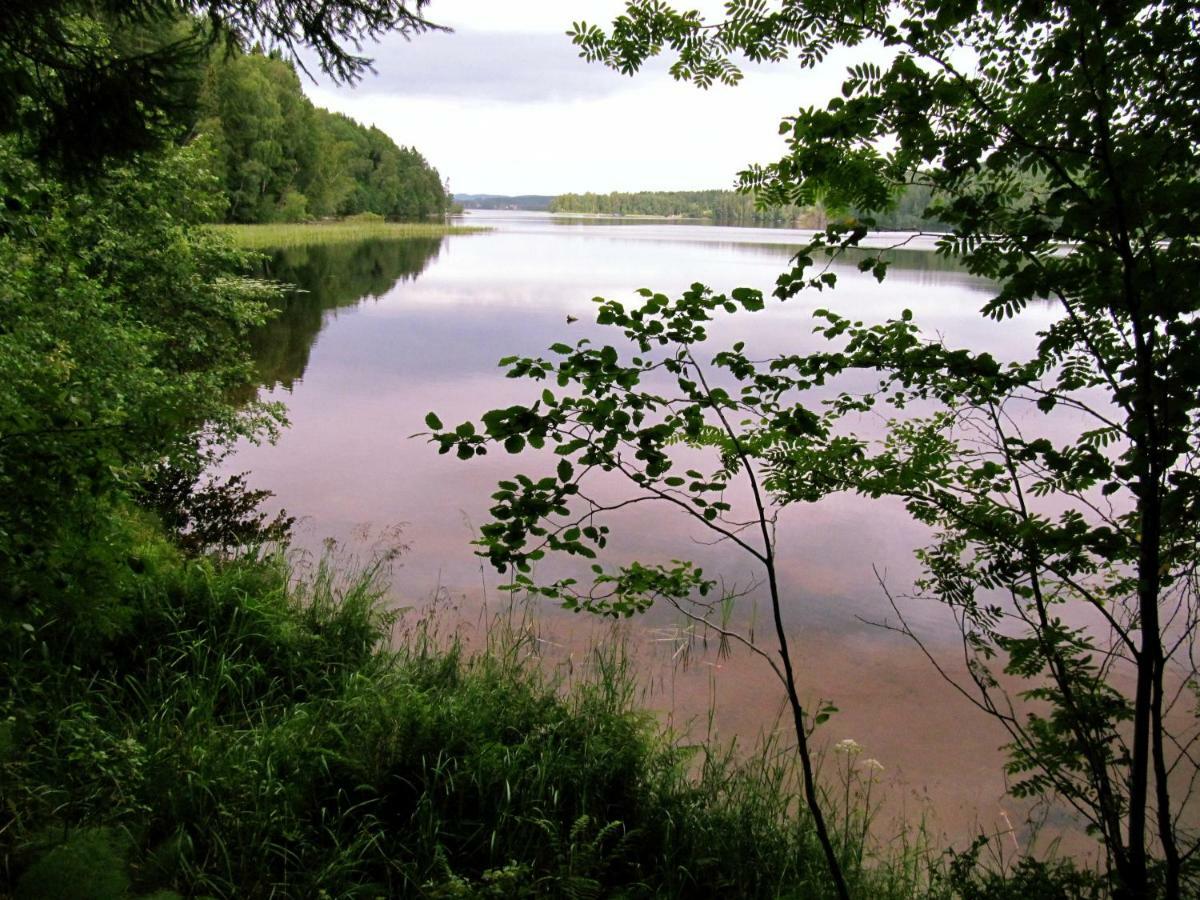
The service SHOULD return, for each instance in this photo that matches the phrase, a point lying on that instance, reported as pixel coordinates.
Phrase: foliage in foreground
(1059, 486)
(123, 329)
(242, 738)
(87, 82)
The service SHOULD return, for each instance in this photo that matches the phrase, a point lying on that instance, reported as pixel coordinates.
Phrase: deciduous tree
(1059, 142)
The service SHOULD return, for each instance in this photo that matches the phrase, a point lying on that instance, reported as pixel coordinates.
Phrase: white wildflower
(849, 746)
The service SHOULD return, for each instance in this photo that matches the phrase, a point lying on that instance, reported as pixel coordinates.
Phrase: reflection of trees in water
(327, 277)
(906, 259)
(903, 259)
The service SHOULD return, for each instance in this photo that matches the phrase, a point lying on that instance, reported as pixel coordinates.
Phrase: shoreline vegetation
(254, 731)
(280, 158)
(189, 713)
(725, 207)
(653, 217)
(284, 235)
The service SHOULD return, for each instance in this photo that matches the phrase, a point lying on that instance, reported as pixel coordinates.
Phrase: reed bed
(260, 237)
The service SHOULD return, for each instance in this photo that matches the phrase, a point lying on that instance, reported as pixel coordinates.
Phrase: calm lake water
(387, 331)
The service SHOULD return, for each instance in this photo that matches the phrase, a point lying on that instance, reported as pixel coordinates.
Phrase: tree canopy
(280, 158)
(84, 81)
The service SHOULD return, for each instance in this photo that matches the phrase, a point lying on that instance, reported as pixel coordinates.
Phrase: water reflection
(909, 249)
(383, 332)
(386, 333)
(326, 278)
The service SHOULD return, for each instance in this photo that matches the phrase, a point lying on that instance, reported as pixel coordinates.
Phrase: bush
(86, 865)
(293, 207)
(123, 332)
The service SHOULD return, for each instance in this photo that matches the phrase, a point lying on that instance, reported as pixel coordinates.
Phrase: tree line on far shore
(740, 208)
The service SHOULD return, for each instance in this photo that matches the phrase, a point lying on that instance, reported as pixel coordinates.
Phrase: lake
(385, 332)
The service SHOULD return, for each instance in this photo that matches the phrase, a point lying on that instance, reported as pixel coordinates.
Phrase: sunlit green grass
(282, 235)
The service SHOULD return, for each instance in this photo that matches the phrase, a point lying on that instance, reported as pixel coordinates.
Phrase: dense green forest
(282, 159)
(724, 207)
(908, 212)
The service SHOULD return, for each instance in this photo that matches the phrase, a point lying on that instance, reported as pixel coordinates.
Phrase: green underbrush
(242, 734)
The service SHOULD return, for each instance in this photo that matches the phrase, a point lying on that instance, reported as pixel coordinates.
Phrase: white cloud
(545, 16)
(514, 110)
(502, 66)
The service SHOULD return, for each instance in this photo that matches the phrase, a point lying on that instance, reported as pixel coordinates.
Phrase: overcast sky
(504, 105)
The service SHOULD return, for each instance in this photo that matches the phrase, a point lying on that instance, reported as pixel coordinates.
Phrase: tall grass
(247, 736)
(258, 237)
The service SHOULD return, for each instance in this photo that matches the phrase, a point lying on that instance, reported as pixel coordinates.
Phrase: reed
(259, 237)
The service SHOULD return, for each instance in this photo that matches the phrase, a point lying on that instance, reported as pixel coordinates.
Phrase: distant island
(722, 207)
(719, 207)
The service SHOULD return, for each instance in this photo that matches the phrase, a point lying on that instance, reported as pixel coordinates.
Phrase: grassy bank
(258, 237)
(235, 734)
(240, 736)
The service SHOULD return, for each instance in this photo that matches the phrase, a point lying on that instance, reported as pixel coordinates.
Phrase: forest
(907, 212)
(282, 159)
(723, 207)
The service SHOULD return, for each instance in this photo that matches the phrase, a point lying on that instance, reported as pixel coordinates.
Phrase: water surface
(385, 332)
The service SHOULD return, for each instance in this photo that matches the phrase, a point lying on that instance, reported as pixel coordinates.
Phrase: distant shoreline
(583, 215)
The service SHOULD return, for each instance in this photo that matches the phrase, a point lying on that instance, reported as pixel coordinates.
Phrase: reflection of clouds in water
(431, 342)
